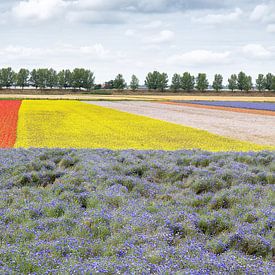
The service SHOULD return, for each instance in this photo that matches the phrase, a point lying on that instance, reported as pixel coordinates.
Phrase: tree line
(187, 82)
(81, 78)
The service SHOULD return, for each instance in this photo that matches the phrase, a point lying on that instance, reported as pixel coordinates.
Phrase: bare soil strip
(137, 97)
(243, 126)
(229, 109)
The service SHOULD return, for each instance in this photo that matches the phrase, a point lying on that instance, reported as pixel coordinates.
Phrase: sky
(139, 36)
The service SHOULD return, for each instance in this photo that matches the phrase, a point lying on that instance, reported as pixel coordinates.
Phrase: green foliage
(273, 84)
(156, 81)
(269, 81)
(22, 78)
(261, 82)
(134, 84)
(244, 82)
(7, 77)
(232, 82)
(82, 79)
(213, 225)
(119, 82)
(202, 82)
(176, 82)
(187, 82)
(217, 83)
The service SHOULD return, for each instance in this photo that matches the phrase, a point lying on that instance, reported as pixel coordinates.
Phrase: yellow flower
(73, 124)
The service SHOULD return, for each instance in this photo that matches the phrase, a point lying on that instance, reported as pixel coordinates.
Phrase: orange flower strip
(8, 122)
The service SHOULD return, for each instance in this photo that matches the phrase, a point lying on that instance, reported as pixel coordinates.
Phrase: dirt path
(248, 127)
(138, 97)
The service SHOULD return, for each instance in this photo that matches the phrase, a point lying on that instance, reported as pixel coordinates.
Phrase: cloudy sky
(138, 36)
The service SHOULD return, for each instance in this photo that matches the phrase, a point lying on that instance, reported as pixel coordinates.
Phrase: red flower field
(8, 122)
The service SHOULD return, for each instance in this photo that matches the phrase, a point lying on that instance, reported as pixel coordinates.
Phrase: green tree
(64, 79)
(51, 78)
(187, 82)
(248, 84)
(134, 84)
(273, 84)
(176, 82)
(119, 82)
(268, 83)
(152, 80)
(157, 81)
(163, 81)
(202, 82)
(261, 82)
(232, 82)
(89, 80)
(7, 77)
(42, 76)
(109, 85)
(34, 81)
(82, 78)
(217, 83)
(22, 78)
(244, 82)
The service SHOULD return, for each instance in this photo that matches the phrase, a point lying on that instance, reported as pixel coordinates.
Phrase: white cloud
(271, 28)
(219, 18)
(264, 13)
(256, 51)
(259, 12)
(38, 10)
(164, 36)
(153, 24)
(200, 57)
(96, 51)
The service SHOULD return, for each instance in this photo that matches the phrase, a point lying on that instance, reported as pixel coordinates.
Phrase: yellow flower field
(73, 124)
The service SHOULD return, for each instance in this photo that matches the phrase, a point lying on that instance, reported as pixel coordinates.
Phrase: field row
(74, 124)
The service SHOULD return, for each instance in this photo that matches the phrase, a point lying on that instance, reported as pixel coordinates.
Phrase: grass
(73, 124)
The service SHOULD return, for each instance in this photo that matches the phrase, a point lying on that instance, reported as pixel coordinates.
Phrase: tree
(22, 78)
(273, 84)
(64, 79)
(151, 80)
(187, 82)
(42, 76)
(34, 78)
(163, 81)
(242, 79)
(156, 81)
(248, 84)
(217, 83)
(109, 85)
(7, 77)
(260, 82)
(51, 78)
(82, 78)
(232, 82)
(176, 82)
(202, 82)
(268, 83)
(134, 84)
(119, 82)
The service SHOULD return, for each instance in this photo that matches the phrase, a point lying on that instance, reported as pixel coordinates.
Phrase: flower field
(73, 124)
(8, 122)
(136, 212)
(266, 106)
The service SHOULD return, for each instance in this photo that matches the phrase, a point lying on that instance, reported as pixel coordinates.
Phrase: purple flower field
(136, 212)
(266, 106)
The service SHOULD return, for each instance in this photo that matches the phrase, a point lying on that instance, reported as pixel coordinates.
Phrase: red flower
(8, 122)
